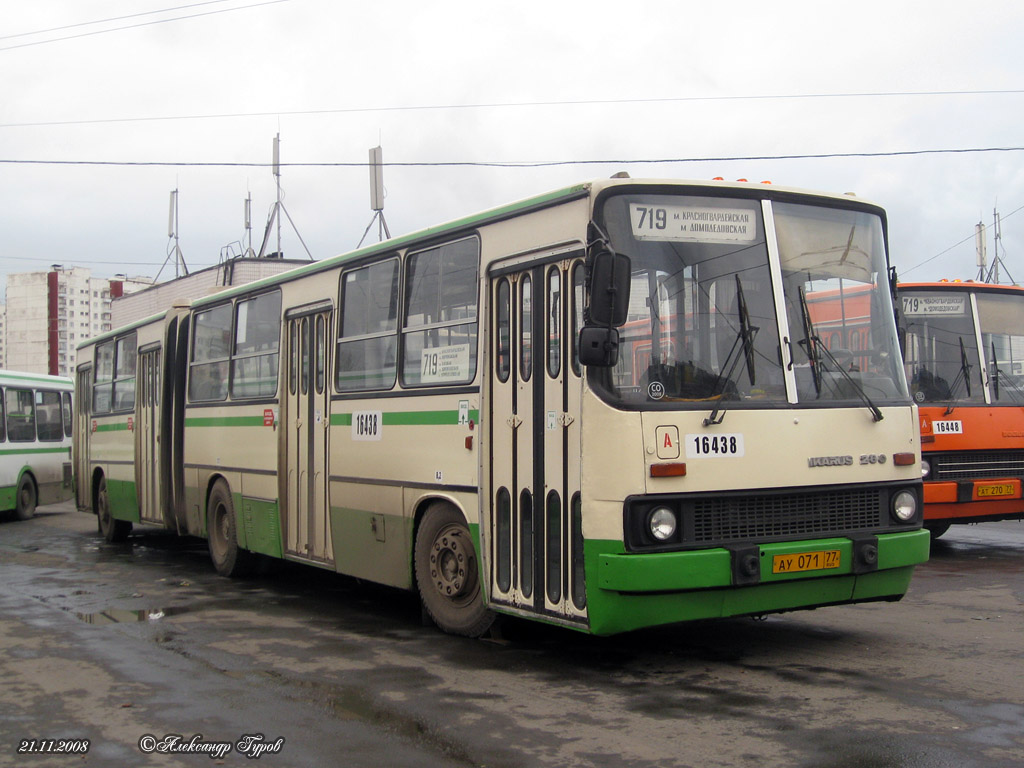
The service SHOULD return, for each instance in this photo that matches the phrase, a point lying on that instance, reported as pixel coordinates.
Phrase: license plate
(996, 489)
(819, 560)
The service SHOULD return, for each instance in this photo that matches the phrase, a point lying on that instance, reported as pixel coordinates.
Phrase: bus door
(305, 434)
(82, 436)
(535, 538)
(147, 437)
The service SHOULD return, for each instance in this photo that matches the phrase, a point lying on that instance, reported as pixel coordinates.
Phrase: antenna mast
(172, 234)
(275, 214)
(376, 196)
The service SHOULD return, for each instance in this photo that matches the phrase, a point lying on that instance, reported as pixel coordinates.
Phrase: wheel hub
(449, 560)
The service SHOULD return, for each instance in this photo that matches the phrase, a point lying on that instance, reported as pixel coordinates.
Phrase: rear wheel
(25, 501)
(228, 558)
(447, 573)
(112, 529)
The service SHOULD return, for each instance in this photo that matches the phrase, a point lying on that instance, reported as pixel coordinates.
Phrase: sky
(106, 106)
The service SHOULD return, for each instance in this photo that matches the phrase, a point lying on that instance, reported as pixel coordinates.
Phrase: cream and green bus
(35, 441)
(606, 407)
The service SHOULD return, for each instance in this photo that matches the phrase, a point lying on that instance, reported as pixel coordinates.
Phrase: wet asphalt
(134, 645)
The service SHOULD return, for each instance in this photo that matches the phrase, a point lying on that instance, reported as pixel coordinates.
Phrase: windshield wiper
(745, 341)
(810, 343)
(998, 374)
(964, 376)
(814, 349)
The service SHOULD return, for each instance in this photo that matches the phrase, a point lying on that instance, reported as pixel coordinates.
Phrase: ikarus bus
(35, 441)
(606, 407)
(964, 349)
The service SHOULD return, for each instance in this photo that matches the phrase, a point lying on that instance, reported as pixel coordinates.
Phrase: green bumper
(631, 591)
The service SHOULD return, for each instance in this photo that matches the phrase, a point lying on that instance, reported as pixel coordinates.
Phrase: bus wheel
(937, 529)
(228, 558)
(112, 529)
(447, 573)
(25, 501)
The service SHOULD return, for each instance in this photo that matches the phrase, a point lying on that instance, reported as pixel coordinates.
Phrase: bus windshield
(709, 316)
(1002, 339)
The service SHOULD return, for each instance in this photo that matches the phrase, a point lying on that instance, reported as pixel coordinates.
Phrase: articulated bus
(35, 441)
(456, 412)
(964, 351)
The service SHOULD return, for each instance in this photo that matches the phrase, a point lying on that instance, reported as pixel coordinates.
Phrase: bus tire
(111, 529)
(448, 574)
(25, 501)
(222, 534)
(937, 529)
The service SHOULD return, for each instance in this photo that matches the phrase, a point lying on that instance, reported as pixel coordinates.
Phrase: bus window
(554, 322)
(503, 355)
(321, 354)
(3, 420)
(48, 408)
(67, 413)
(209, 369)
(21, 417)
(369, 324)
(439, 335)
(257, 340)
(124, 373)
(103, 383)
(526, 329)
(577, 316)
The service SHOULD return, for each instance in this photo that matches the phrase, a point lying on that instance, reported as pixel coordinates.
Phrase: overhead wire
(509, 105)
(141, 24)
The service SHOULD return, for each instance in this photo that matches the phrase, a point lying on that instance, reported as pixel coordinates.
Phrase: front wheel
(112, 529)
(937, 529)
(447, 573)
(228, 558)
(26, 499)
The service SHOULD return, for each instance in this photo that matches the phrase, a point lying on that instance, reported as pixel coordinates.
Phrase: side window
(367, 343)
(554, 322)
(21, 416)
(125, 355)
(68, 413)
(211, 342)
(257, 341)
(503, 353)
(103, 381)
(3, 419)
(440, 329)
(48, 413)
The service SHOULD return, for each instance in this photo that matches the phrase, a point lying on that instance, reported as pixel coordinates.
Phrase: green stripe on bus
(24, 451)
(118, 427)
(408, 418)
(225, 421)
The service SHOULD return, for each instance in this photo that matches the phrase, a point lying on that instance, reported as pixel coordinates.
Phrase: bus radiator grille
(970, 465)
(784, 516)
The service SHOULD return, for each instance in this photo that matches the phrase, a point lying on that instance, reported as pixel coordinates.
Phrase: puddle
(124, 616)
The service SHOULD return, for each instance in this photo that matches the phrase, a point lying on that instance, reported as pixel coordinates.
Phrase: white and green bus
(606, 407)
(35, 441)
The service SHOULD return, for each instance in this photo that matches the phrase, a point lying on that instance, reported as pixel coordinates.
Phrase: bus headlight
(926, 468)
(904, 506)
(662, 523)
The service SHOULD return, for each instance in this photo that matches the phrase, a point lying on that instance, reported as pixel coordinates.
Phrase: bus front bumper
(639, 590)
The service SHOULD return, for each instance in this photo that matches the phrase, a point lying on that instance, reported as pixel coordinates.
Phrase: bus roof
(8, 377)
(961, 285)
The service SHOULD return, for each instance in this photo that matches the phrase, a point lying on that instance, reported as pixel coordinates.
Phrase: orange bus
(963, 348)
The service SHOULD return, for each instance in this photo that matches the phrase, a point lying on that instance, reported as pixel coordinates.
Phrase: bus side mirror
(599, 346)
(609, 288)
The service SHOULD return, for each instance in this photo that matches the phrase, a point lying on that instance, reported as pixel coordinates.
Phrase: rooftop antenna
(376, 196)
(979, 247)
(172, 234)
(249, 252)
(275, 212)
(997, 260)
